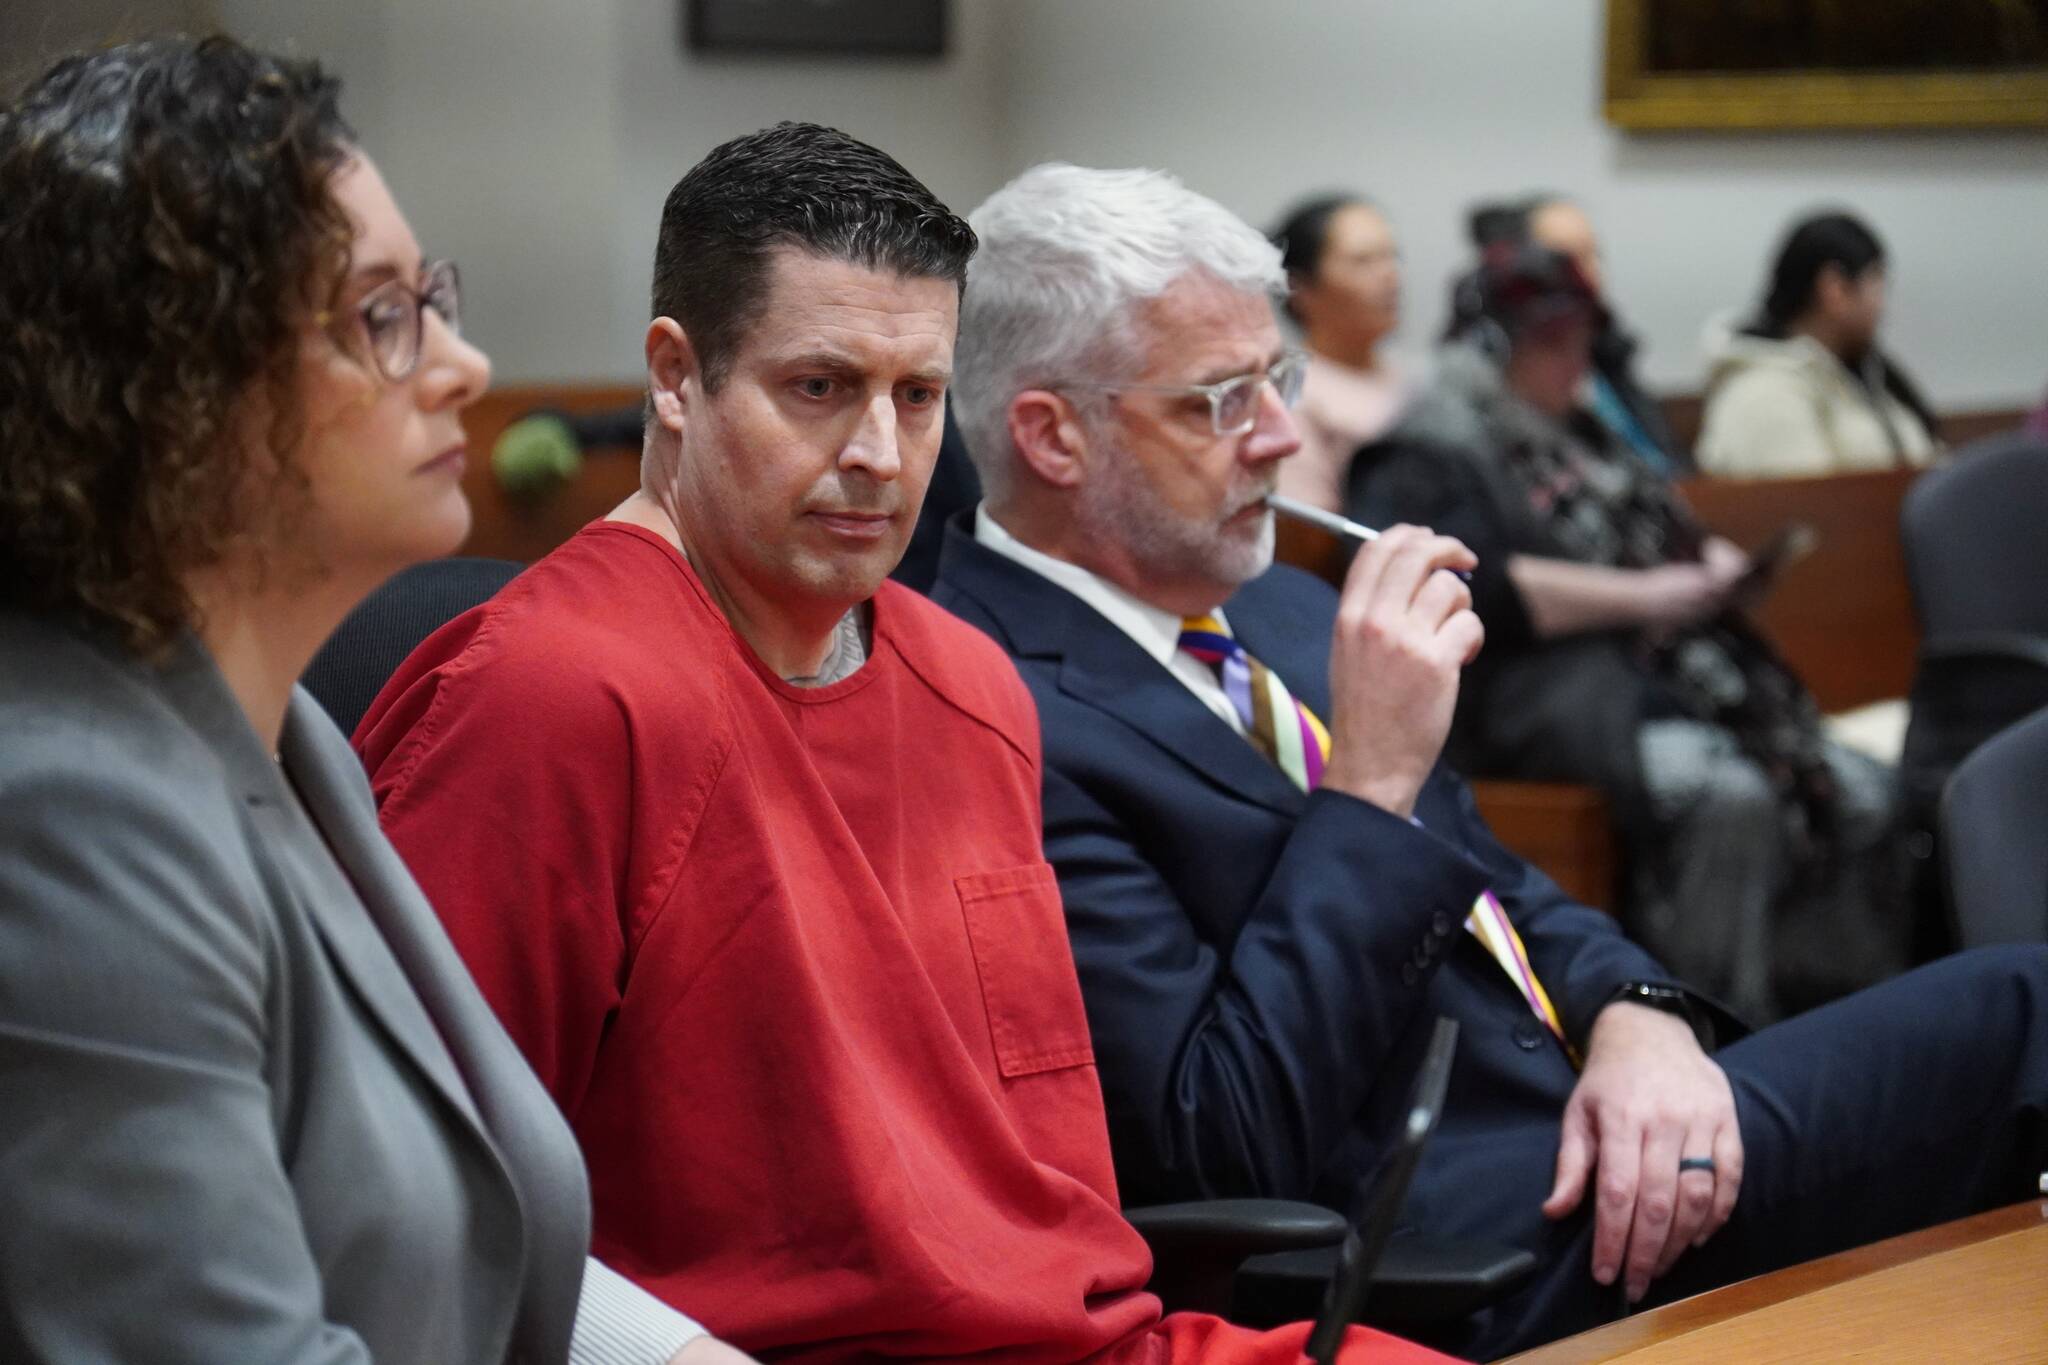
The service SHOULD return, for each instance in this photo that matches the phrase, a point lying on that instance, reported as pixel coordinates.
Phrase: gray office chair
(1975, 562)
(1994, 822)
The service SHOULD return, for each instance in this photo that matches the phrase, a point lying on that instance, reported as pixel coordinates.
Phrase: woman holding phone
(1618, 655)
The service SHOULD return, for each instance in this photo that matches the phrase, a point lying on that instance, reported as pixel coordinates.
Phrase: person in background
(1803, 389)
(743, 841)
(251, 1106)
(1614, 395)
(1344, 293)
(1617, 655)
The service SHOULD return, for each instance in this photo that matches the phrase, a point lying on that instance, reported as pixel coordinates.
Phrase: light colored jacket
(1789, 409)
(252, 1108)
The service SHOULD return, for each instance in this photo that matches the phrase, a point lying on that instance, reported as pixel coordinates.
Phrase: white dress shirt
(1156, 630)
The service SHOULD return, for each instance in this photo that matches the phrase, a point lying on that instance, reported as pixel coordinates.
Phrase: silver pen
(1331, 522)
(1316, 516)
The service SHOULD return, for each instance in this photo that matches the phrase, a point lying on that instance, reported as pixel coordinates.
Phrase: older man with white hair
(1273, 887)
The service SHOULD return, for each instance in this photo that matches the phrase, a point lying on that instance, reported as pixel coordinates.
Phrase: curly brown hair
(167, 226)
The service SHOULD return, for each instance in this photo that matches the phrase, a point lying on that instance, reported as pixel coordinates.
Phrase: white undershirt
(1156, 630)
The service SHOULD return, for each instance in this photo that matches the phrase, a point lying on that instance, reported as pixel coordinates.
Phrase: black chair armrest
(1198, 1246)
(2020, 645)
(1420, 1282)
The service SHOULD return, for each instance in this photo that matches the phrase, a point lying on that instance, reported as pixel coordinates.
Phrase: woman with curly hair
(251, 1107)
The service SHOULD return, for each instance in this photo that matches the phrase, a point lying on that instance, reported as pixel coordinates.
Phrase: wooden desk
(1975, 1290)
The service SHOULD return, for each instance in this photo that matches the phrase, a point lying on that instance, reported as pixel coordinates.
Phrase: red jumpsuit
(790, 959)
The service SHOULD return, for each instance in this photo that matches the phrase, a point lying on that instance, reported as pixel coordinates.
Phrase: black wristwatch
(1671, 1000)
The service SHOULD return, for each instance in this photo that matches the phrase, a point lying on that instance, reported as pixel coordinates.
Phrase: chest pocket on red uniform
(1019, 937)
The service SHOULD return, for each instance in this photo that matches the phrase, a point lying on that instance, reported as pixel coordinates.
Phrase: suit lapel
(1102, 667)
(298, 855)
(392, 953)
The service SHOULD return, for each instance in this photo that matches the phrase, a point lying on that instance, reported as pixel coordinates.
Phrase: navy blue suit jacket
(1261, 966)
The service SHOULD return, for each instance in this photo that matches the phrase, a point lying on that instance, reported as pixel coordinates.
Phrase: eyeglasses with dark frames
(394, 317)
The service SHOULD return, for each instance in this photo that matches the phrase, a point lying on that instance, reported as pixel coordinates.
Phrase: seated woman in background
(251, 1106)
(1344, 291)
(1616, 654)
(1803, 389)
(1614, 394)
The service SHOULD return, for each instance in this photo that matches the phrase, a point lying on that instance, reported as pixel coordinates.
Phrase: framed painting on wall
(828, 28)
(1750, 64)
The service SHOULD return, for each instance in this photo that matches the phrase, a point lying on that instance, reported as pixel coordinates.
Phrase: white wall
(32, 32)
(535, 139)
(1430, 105)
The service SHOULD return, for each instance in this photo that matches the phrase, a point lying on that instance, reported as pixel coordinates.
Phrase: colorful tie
(1288, 733)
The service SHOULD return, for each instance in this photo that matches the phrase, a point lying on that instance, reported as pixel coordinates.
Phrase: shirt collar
(1156, 630)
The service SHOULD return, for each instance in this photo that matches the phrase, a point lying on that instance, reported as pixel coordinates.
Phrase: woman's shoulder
(1744, 366)
(71, 701)
(137, 829)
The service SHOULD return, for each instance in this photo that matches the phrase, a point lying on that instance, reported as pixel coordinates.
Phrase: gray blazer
(252, 1108)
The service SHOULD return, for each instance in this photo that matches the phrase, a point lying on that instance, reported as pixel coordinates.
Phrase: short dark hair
(796, 184)
(1501, 220)
(167, 226)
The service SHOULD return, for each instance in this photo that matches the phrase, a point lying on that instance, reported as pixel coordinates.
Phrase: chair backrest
(1976, 555)
(1994, 823)
(369, 645)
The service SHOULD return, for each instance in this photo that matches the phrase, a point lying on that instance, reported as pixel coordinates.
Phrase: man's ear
(672, 371)
(1050, 437)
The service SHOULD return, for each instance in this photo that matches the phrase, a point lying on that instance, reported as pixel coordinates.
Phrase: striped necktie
(1282, 728)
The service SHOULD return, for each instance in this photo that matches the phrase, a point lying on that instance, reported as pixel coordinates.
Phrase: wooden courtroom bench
(1843, 616)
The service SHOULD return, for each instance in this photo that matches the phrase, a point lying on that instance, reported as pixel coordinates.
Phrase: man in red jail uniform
(742, 841)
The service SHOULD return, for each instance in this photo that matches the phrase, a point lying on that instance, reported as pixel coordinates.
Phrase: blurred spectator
(1617, 654)
(1613, 394)
(1803, 389)
(1344, 291)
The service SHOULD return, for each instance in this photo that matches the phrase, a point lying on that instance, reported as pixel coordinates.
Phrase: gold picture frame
(1641, 98)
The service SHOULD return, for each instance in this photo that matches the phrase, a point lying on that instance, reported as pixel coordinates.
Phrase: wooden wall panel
(509, 528)
(1842, 616)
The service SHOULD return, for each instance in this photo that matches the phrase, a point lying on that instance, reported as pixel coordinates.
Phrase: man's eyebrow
(1233, 369)
(835, 361)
